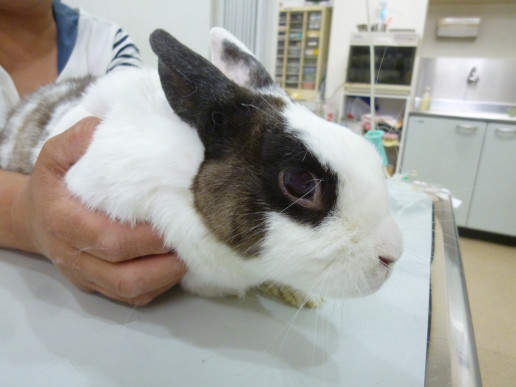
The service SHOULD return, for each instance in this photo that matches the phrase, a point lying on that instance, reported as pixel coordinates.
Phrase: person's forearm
(11, 235)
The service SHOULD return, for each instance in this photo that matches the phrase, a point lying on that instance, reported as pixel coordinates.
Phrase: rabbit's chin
(197, 285)
(327, 261)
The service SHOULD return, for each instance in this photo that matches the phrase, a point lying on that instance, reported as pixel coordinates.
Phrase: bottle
(381, 17)
(330, 111)
(424, 104)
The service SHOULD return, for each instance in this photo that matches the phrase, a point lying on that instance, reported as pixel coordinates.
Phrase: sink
(471, 109)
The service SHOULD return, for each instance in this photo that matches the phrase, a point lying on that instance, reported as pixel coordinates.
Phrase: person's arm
(38, 214)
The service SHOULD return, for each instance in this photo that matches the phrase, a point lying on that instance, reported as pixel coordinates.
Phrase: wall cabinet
(474, 159)
(302, 51)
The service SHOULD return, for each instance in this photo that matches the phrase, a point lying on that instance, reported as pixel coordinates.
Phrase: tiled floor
(490, 271)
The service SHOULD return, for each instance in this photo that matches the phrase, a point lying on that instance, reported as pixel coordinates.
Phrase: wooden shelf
(302, 52)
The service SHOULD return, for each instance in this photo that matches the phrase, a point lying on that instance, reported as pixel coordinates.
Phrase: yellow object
(424, 104)
(290, 296)
(295, 95)
(390, 142)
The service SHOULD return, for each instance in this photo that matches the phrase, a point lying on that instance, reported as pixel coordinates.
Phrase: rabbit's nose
(386, 260)
(389, 241)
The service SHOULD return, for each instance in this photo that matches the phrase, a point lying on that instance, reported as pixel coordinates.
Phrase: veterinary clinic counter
(53, 334)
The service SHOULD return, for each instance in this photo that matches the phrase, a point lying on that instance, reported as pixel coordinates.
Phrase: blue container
(375, 137)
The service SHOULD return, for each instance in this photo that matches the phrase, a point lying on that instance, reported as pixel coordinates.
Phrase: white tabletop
(52, 334)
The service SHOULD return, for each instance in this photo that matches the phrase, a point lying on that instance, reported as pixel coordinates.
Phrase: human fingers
(70, 220)
(132, 281)
(45, 201)
(140, 300)
(112, 241)
(62, 151)
(97, 233)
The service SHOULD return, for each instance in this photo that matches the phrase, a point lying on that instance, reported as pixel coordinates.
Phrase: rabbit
(247, 186)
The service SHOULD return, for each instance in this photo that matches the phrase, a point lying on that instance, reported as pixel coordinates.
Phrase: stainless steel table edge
(452, 355)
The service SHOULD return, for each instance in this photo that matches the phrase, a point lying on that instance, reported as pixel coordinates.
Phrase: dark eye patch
(309, 192)
(237, 184)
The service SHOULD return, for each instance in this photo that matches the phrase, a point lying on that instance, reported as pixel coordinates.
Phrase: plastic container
(424, 104)
(308, 85)
(375, 137)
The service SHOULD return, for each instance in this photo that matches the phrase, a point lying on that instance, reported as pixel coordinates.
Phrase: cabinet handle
(469, 128)
(463, 128)
(506, 130)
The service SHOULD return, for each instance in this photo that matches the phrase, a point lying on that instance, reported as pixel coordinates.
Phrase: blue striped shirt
(125, 52)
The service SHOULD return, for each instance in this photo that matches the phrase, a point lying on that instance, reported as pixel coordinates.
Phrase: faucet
(473, 76)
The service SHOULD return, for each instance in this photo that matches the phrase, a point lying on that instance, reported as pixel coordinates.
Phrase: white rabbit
(247, 186)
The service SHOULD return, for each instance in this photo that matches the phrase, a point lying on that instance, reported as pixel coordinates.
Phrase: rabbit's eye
(299, 183)
(300, 186)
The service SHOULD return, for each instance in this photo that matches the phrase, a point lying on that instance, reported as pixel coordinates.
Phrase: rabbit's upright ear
(237, 63)
(194, 87)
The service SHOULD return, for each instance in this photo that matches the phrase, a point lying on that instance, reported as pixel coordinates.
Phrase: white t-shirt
(87, 45)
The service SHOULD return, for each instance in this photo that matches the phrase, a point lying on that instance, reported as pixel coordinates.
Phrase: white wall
(267, 33)
(347, 14)
(266, 26)
(496, 38)
(189, 21)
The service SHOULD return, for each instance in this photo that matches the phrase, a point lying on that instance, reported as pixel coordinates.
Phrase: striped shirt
(87, 45)
(90, 45)
(125, 53)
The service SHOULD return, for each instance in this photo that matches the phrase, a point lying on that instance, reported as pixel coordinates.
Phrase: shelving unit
(394, 67)
(302, 53)
(395, 63)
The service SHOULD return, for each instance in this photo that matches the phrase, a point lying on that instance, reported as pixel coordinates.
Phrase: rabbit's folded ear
(235, 60)
(194, 87)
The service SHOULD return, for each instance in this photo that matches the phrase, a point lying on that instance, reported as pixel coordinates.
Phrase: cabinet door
(445, 152)
(493, 207)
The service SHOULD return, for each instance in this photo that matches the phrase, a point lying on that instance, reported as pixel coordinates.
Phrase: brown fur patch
(229, 187)
(34, 127)
(29, 134)
(228, 203)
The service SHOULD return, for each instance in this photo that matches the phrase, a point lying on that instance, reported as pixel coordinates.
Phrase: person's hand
(95, 253)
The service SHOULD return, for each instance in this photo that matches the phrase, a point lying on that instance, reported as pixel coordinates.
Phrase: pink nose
(386, 260)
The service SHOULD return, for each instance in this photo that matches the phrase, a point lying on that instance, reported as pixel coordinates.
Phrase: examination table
(415, 331)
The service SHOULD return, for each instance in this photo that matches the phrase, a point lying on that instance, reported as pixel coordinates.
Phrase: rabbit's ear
(194, 87)
(238, 63)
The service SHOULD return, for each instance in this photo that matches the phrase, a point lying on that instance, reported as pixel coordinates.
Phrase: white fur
(217, 37)
(140, 166)
(143, 158)
(237, 73)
